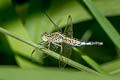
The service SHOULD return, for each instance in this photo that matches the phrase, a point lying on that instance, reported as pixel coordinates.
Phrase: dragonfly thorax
(55, 37)
(45, 37)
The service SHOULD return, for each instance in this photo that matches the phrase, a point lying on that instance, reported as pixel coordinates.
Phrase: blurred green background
(25, 18)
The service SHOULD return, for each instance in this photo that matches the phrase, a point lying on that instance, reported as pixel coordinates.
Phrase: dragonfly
(64, 40)
(66, 50)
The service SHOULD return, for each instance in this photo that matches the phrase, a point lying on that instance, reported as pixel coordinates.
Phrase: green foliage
(45, 74)
(28, 21)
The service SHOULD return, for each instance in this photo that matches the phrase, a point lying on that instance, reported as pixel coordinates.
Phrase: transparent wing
(69, 27)
(68, 31)
(67, 49)
(53, 47)
(57, 28)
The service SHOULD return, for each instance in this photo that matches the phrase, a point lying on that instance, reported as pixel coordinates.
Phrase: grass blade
(90, 61)
(105, 24)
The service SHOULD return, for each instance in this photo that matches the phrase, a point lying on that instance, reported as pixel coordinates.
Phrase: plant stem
(90, 61)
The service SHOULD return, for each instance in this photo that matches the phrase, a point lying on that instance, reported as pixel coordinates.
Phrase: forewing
(68, 31)
(53, 47)
(69, 27)
(67, 49)
(56, 26)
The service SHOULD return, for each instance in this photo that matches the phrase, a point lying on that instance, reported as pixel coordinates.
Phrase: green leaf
(105, 24)
(10, 21)
(112, 67)
(30, 74)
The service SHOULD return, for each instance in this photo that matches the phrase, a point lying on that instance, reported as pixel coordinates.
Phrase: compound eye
(44, 38)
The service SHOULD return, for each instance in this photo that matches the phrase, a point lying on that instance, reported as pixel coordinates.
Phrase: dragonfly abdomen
(90, 43)
(74, 42)
(71, 41)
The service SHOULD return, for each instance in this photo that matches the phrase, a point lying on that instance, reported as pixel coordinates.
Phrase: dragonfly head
(45, 36)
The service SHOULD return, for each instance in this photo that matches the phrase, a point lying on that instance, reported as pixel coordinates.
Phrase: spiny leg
(36, 48)
(60, 57)
(48, 45)
(59, 46)
(55, 47)
(61, 63)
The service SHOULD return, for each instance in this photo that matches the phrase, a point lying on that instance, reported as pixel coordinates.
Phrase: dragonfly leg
(55, 47)
(49, 45)
(60, 58)
(36, 48)
(59, 46)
